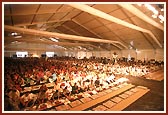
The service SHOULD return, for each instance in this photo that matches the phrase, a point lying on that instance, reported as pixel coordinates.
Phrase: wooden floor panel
(101, 99)
(131, 99)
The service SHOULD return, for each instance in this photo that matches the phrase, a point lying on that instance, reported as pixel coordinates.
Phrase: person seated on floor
(42, 94)
(50, 79)
(97, 82)
(91, 86)
(21, 81)
(43, 88)
(54, 76)
(8, 103)
(75, 88)
(66, 92)
(27, 80)
(110, 78)
(9, 82)
(14, 99)
(16, 81)
(56, 85)
(24, 100)
(83, 87)
(69, 87)
(55, 95)
(45, 76)
(28, 99)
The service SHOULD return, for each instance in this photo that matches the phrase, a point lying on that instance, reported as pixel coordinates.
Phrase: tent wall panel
(159, 55)
(148, 54)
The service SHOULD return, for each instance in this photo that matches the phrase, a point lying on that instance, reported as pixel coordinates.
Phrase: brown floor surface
(153, 100)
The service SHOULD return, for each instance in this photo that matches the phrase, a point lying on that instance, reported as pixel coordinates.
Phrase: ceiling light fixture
(14, 34)
(54, 39)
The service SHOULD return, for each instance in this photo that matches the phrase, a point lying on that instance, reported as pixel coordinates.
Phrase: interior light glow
(14, 42)
(17, 36)
(161, 17)
(149, 7)
(137, 51)
(14, 34)
(152, 8)
(155, 12)
(22, 54)
(35, 55)
(50, 54)
(53, 39)
(139, 4)
(79, 47)
(132, 43)
(61, 47)
(154, 16)
(129, 57)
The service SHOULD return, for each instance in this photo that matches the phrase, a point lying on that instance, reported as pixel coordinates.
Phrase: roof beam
(24, 14)
(43, 22)
(33, 49)
(28, 13)
(58, 35)
(46, 42)
(141, 15)
(9, 40)
(103, 15)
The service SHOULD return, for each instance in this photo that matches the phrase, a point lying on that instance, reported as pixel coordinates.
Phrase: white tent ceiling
(84, 26)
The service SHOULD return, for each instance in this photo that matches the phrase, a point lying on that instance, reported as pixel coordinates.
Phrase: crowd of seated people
(69, 75)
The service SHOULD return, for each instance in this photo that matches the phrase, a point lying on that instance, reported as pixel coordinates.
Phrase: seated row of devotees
(69, 77)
